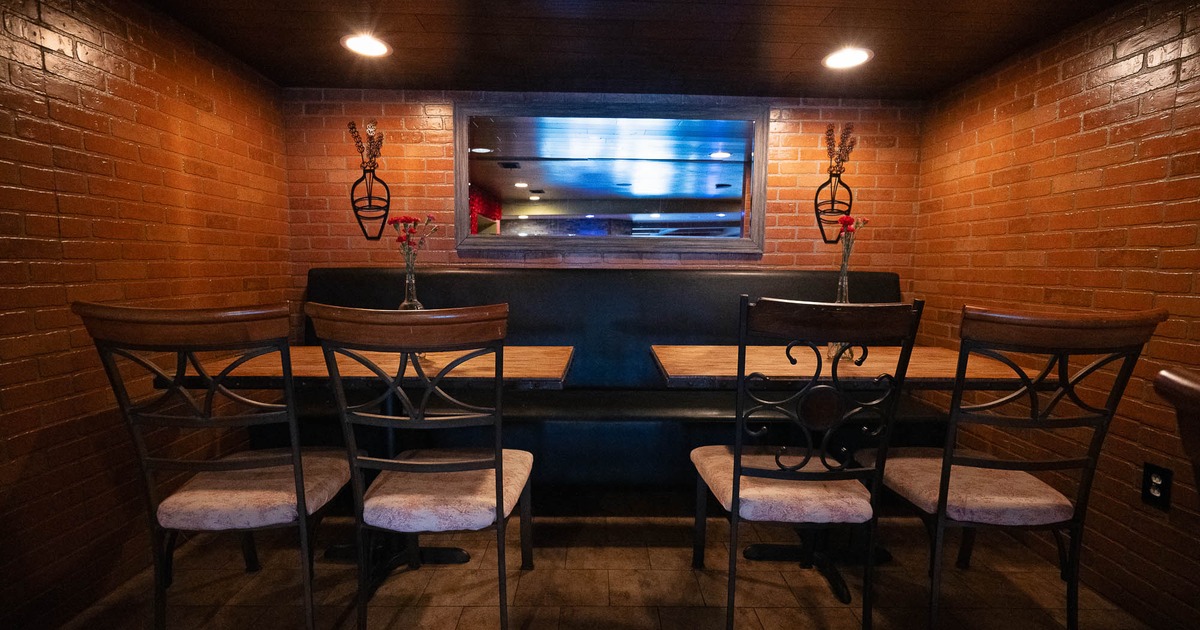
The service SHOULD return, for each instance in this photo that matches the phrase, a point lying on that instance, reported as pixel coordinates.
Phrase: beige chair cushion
(437, 502)
(976, 495)
(243, 499)
(781, 501)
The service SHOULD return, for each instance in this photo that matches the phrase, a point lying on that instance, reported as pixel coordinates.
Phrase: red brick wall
(1068, 176)
(137, 165)
(418, 165)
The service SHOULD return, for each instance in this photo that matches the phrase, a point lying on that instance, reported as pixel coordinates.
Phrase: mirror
(637, 178)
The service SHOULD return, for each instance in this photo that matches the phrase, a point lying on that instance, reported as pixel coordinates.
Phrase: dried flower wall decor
(834, 198)
(369, 195)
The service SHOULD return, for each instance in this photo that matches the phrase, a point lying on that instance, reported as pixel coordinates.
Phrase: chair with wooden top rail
(184, 420)
(425, 490)
(1181, 388)
(1024, 457)
(806, 476)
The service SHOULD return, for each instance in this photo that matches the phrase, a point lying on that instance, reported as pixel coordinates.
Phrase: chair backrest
(404, 358)
(159, 362)
(1181, 388)
(1055, 416)
(825, 416)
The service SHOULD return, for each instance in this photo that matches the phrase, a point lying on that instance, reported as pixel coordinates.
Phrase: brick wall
(1068, 176)
(418, 165)
(137, 165)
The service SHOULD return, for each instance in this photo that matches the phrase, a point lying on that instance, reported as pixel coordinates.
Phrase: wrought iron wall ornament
(834, 197)
(369, 195)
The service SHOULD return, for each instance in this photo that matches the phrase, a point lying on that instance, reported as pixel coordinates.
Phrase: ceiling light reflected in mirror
(366, 45)
(847, 57)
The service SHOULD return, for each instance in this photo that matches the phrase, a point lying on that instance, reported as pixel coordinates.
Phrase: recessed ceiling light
(719, 155)
(847, 57)
(534, 198)
(521, 185)
(481, 150)
(366, 45)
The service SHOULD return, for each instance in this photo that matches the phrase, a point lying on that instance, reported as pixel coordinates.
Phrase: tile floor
(625, 573)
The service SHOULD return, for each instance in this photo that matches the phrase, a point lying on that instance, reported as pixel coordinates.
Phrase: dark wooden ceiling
(719, 47)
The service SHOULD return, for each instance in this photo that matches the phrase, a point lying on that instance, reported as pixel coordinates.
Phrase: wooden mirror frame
(749, 243)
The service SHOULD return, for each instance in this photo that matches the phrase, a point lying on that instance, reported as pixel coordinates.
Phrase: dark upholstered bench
(615, 423)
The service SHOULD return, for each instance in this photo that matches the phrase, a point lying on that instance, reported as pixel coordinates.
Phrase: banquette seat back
(610, 316)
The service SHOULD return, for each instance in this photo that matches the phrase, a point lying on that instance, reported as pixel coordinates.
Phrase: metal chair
(1046, 429)
(812, 480)
(406, 357)
(183, 419)
(1181, 388)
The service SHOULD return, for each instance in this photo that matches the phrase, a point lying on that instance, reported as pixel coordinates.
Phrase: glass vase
(410, 303)
(842, 297)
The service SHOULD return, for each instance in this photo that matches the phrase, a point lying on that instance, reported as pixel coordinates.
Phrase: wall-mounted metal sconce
(369, 195)
(834, 197)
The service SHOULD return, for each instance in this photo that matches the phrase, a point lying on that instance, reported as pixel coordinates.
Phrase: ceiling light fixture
(655, 215)
(366, 45)
(521, 185)
(522, 216)
(534, 198)
(589, 216)
(719, 155)
(847, 57)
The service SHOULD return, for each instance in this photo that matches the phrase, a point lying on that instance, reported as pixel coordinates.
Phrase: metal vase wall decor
(369, 196)
(834, 197)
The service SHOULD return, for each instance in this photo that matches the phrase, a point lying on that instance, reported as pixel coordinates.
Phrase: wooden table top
(525, 367)
(715, 367)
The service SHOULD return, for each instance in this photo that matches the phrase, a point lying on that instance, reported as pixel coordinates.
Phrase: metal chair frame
(863, 416)
(130, 339)
(409, 398)
(1049, 397)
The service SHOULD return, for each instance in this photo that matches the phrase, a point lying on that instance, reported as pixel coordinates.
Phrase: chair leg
(500, 567)
(733, 554)
(935, 571)
(169, 556)
(526, 502)
(250, 553)
(965, 547)
(162, 548)
(700, 530)
(1072, 577)
(1061, 543)
(364, 574)
(412, 547)
(306, 570)
(869, 576)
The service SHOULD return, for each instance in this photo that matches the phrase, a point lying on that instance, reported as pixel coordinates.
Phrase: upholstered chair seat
(444, 501)
(780, 500)
(977, 495)
(256, 497)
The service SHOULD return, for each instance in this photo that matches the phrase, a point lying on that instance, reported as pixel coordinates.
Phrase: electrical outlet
(1156, 486)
